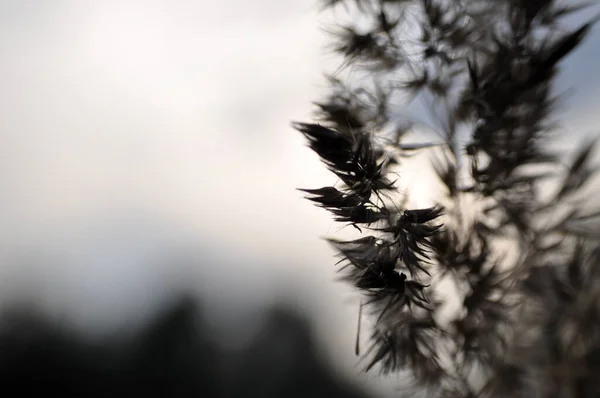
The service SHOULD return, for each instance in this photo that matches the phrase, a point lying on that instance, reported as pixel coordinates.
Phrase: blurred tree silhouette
(174, 356)
(511, 235)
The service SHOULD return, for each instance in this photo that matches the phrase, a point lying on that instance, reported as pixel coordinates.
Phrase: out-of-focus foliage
(523, 266)
(176, 355)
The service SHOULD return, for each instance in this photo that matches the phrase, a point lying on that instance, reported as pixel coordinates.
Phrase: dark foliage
(174, 356)
(522, 265)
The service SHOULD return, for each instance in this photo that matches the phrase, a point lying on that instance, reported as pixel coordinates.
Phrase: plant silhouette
(511, 240)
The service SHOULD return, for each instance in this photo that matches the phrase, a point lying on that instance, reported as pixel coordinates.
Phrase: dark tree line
(514, 234)
(175, 355)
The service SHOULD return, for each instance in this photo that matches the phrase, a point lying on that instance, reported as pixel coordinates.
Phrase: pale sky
(128, 126)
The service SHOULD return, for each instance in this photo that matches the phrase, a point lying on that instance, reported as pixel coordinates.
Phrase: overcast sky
(129, 125)
(132, 128)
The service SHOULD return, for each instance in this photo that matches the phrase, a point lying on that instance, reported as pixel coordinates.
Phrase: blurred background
(146, 150)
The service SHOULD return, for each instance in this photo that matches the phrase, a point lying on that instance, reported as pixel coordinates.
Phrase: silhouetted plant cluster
(175, 355)
(520, 257)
